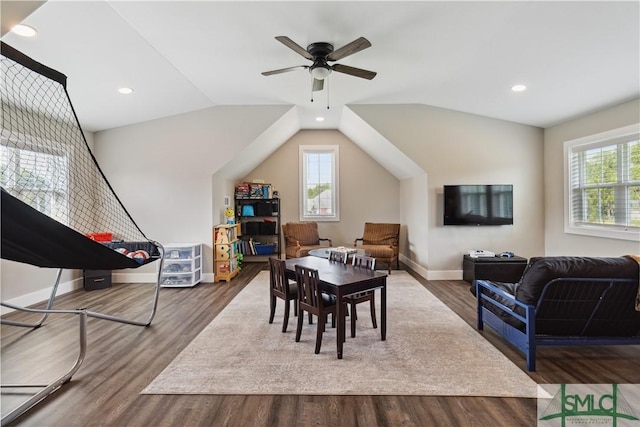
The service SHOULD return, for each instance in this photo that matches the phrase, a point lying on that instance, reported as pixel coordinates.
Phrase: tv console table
(498, 269)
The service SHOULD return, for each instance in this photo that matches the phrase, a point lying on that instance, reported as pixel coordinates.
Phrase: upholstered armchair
(380, 241)
(301, 237)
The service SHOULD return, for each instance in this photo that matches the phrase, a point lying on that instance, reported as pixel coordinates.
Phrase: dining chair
(315, 302)
(281, 288)
(362, 261)
(338, 256)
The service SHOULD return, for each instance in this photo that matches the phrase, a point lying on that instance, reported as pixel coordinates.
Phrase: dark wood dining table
(344, 279)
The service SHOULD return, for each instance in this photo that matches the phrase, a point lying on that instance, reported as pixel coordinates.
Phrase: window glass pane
(603, 185)
(38, 179)
(634, 205)
(634, 160)
(319, 183)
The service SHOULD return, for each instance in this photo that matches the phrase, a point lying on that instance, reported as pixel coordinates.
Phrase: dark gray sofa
(564, 301)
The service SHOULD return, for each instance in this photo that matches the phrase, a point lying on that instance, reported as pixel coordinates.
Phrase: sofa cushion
(542, 270)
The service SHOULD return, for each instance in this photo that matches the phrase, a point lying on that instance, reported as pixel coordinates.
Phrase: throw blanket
(637, 258)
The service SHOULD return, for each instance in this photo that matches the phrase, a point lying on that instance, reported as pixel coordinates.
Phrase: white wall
(162, 170)
(460, 148)
(557, 242)
(367, 191)
(414, 231)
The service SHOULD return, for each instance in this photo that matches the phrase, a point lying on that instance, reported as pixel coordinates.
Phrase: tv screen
(478, 204)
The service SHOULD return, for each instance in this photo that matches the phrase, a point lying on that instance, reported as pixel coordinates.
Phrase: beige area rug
(429, 351)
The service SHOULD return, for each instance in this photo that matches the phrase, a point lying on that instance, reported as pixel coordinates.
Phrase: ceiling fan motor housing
(320, 50)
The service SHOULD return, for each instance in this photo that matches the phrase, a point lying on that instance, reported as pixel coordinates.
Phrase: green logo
(588, 405)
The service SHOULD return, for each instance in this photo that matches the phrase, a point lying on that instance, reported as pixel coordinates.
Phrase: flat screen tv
(478, 204)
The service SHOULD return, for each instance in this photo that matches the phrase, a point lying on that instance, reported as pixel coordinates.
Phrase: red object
(100, 237)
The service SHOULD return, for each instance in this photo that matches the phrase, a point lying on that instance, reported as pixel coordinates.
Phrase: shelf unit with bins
(225, 251)
(182, 265)
(260, 231)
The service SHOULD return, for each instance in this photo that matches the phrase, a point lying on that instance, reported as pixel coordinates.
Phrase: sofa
(302, 237)
(380, 241)
(564, 301)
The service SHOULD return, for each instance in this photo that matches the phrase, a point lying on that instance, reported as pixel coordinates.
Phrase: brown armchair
(301, 237)
(380, 241)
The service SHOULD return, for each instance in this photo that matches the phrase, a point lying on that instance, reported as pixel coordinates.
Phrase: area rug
(429, 351)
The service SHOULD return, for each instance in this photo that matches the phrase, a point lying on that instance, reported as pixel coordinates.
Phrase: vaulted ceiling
(574, 57)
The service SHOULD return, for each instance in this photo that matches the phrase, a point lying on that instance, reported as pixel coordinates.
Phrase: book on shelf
(252, 190)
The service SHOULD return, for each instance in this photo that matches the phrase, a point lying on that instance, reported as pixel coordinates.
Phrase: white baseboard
(431, 274)
(42, 295)
(131, 277)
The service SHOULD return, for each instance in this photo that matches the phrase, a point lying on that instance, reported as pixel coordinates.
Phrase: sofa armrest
(507, 298)
(326, 240)
(359, 239)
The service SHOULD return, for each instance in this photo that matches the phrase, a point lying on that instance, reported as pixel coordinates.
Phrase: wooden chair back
(309, 293)
(338, 256)
(364, 261)
(278, 277)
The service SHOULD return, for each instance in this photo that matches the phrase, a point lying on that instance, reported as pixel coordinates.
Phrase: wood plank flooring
(123, 359)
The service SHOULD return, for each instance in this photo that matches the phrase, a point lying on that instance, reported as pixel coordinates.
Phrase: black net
(46, 162)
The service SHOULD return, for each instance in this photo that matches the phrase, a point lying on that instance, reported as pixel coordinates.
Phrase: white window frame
(304, 150)
(603, 139)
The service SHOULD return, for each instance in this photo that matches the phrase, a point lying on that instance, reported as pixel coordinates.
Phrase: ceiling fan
(321, 54)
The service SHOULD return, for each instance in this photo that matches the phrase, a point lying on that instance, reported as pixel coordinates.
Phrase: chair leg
(372, 304)
(295, 307)
(310, 319)
(286, 315)
(272, 304)
(299, 328)
(353, 320)
(321, 322)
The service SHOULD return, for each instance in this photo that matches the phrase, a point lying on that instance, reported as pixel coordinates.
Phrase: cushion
(380, 234)
(377, 251)
(304, 232)
(542, 270)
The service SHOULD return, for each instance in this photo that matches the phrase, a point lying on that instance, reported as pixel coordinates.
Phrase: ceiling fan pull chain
(327, 80)
(312, 89)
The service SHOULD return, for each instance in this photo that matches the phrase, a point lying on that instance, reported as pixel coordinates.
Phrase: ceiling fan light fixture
(320, 73)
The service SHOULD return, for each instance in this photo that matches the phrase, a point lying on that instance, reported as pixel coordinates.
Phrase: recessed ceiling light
(319, 119)
(518, 88)
(125, 90)
(24, 30)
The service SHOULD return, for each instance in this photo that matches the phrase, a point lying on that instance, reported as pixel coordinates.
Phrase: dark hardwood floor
(123, 359)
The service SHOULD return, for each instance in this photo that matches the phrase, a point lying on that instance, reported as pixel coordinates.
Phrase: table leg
(340, 322)
(383, 309)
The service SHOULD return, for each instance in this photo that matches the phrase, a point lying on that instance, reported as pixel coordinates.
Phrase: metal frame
(526, 341)
(48, 389)
(90, 313)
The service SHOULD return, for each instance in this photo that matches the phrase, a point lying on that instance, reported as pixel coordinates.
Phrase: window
(319, 183)
(603, 184)
(39, 179)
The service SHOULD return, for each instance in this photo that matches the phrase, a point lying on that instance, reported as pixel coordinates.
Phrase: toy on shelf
(230, 216)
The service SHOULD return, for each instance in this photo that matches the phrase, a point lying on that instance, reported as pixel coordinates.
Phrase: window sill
(631, 233)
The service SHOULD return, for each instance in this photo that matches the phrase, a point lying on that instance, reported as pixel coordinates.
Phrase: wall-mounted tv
(478, 204)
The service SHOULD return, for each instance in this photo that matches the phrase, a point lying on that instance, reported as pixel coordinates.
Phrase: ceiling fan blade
(283, 70)
(349, 49)
(318, 85)
(294, 46)
(357, 72)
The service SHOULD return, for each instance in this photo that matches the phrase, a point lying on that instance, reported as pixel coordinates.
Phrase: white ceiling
(575, 57)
